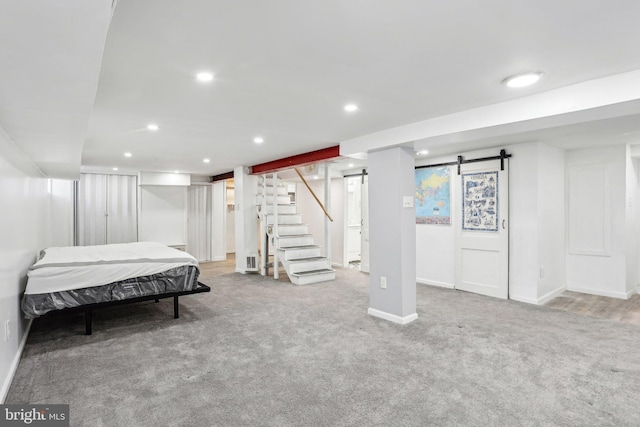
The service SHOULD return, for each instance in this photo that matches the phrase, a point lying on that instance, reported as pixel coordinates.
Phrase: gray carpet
(259, 352)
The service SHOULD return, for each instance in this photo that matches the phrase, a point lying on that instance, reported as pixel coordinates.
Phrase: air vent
(252, 262)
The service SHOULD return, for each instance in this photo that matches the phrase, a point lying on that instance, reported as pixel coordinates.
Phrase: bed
(84, 278)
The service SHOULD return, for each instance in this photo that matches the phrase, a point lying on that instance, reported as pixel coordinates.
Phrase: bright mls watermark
(34, 415)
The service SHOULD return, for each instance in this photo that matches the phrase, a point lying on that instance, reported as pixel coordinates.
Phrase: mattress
(74, 276)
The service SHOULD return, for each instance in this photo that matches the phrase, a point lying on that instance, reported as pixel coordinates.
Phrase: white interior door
(482, 232)
(92, 210)
(199, 222)
(122, 204)
(364, 248)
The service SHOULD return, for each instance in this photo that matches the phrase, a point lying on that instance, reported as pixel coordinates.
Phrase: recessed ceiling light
(522, 80)
(350, 108)
(350, 165)
(176, 171)
(315, 177)
(204, 76)
(152, 127)
(258, 140)
(115, 169)
(127, 154)
(206, 160)
(423, 152)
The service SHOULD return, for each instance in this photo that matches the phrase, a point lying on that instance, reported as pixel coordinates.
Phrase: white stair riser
(307, 280)
(270, 181)
(318, 264)
(281, 190)
(284, 242)
(283, 209)
(288, 230)
(292, 254)
(284, 219)
(282, 200)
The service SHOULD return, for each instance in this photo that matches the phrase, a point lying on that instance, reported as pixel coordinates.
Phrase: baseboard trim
(337, 264)
(620, 295)
(550, 295)
(632, 291)
(520, 298)
(14, 365)
(392, 317)
(435, 283)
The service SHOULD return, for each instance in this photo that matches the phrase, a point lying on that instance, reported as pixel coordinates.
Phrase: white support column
(264, 240)
(392, 235)
(246, 188)
(275, 226)
(327, 205)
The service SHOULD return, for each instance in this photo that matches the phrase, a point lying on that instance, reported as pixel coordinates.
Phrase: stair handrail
(313, 194)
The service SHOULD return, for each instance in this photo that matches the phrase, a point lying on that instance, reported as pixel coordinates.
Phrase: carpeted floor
(259, 352)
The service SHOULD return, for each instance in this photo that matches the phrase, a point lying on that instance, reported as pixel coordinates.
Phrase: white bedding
(77, 267)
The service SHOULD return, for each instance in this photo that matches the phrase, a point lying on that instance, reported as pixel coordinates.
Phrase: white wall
(25, 229)
(313, 216)
(551, 222)
(596, 221)
(632, 223)
(62, 212)
(536, 224)
(163, 214)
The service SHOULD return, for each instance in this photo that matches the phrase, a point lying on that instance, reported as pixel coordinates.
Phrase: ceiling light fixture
(350, 165)
(176, 172)
(523, 80)
(423, 152)
(127, 154)
(206, 160)
(350, 108)
(258, 140)
(204, 77)
(152, 127)
(115, 169)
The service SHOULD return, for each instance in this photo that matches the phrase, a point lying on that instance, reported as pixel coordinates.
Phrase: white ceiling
(285, 69)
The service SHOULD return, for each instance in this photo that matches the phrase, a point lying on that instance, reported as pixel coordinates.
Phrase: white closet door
(122, 219)
(199, 222)
(92, 210)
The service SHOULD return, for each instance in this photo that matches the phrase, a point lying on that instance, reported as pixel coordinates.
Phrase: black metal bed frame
(88, 308)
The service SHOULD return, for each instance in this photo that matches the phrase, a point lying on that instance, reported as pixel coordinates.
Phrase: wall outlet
(383, 282)
(7, 330)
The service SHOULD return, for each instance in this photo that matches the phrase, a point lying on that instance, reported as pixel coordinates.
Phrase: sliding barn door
(482, 233)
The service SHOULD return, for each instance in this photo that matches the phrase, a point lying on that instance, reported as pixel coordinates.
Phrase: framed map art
(433, 196)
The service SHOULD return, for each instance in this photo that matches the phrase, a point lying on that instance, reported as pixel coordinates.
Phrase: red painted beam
(297, 160)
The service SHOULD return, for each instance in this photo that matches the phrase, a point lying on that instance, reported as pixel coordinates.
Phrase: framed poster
(433, 196)
(480, 201)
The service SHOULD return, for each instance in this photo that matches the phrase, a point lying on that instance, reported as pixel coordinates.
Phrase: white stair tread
(300, 260)
(313, 272)
(293, 248)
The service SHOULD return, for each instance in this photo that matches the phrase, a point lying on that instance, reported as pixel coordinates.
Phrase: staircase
(297, 251)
